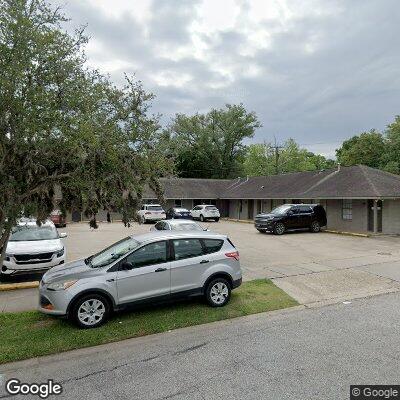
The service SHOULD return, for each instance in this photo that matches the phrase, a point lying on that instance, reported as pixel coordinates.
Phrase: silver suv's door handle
(160, 269)
(204, 261)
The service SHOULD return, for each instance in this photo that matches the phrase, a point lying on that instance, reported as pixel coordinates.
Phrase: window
(212, 245)
(187, 248)
(178, 203)
(154, 253)
(305, 209)
(347, 210)
(112, 253)
(155, 208)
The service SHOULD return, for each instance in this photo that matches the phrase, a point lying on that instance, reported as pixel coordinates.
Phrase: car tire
(202, 218)
(99, 311)
(218, 292)
(315, 227)
(216, 219)
(279, 228)
(143, 219)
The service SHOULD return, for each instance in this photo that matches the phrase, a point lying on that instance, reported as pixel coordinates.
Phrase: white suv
(33, 248)
(205, 211)
(151, 212)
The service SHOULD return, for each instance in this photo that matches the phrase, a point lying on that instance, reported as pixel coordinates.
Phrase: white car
(151, 212)
(33, 248)
(205, 211)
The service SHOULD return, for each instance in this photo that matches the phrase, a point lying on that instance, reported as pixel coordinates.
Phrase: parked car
(58, 219)
(151, 212)
(178, 213)
(151, 267)
(292, 217)
(205, 211)
(177, 225)
(33, 248)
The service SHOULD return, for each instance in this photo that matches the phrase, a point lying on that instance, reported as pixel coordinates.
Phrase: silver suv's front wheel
(218, 292)
(90, 311)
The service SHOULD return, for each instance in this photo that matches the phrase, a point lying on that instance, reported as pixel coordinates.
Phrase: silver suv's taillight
(233, 254)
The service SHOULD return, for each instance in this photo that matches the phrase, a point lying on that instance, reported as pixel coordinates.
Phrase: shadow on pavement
(37, 276)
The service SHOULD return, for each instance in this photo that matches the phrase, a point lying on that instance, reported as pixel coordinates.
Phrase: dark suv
(292, 217)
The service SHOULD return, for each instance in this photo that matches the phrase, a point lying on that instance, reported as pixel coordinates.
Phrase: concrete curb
(17, 286)
(243, 221)
(347, 233)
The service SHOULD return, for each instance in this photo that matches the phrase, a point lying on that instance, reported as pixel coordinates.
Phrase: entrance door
(250, 209)
(371, 215)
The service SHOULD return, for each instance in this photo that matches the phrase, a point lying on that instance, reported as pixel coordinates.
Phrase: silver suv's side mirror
(63, 235)
(126, 266)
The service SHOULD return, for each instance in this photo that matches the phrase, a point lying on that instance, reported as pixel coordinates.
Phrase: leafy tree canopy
(63, 125)
(211, 145)
(264, 159)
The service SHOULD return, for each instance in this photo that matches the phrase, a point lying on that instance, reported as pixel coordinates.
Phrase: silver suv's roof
(154, 235)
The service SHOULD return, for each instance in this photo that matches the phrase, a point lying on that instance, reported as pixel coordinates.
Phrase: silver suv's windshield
(281, 210)
(22, 233)
(112, 253)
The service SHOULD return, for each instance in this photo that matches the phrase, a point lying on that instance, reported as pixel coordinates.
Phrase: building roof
(346, 182)
(190, 188)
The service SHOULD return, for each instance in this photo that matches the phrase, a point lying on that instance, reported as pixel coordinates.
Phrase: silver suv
(152, 267)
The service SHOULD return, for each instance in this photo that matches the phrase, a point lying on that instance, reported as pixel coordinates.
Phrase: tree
(261, 159)
(367, 149)
(64, 125)
(211, 145)
(391, 155)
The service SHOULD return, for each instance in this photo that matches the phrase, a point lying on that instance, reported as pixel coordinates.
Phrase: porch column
(375, 216)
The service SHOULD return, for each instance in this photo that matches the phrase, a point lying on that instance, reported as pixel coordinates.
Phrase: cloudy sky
(317, 71)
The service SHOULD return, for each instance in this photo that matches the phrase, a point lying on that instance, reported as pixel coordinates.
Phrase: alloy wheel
(315, 226)
(280, 228)
(219, 293)
(91, 312)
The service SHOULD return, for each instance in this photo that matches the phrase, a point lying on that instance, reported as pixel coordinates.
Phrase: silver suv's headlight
(61, 285)
(60, 252)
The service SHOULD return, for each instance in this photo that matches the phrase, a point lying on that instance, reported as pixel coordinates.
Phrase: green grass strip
(31, 334)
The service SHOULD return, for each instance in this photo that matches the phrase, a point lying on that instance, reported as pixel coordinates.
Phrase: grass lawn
(30, 334)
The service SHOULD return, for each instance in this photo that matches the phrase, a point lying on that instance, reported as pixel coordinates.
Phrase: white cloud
(314, 70)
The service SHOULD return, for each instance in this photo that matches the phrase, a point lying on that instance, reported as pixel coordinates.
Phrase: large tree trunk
(3, 242)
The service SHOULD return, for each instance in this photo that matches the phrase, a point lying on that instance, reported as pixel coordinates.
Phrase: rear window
(154, 208)
(212, 245)
(187, 227)
(211, 208)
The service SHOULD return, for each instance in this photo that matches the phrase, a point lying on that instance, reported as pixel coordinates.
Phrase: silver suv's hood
(72, 270)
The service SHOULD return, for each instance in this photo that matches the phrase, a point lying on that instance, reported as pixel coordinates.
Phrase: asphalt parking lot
(312, 268)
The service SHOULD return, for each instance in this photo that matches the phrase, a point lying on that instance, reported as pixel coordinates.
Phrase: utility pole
(276, 147)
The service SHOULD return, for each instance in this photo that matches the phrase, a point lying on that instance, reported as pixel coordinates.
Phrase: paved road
(299, 354)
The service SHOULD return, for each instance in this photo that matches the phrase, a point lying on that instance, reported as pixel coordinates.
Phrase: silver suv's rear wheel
(218, 292)
(90, 311)
(202, 218)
